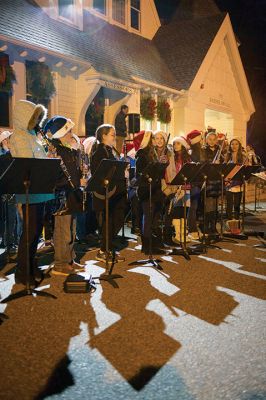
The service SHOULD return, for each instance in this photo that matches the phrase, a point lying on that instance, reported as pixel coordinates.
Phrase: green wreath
(164, 112)
(40, 83)
(147, 108)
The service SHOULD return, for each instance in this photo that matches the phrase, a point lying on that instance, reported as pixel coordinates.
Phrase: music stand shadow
(22, 176)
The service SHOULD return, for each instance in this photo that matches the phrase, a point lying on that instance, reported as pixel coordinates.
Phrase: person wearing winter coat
(27, 119)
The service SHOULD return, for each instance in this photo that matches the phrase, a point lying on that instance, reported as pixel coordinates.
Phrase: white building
(120, 47)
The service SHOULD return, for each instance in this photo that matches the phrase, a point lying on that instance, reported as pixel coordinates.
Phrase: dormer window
(100, 6)
(66, 9)
(119, 11)
(135, 14)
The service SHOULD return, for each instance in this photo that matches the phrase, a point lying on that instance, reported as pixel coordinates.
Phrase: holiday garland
(147, 108)
(164, 111)
(40, 83)
(7, 74)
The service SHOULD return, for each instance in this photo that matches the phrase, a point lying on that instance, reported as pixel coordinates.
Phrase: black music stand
(242, 175)
(184, 177)
(105, 178)
(153, 171)
(206, 172)
(223, 171)
(22, 176)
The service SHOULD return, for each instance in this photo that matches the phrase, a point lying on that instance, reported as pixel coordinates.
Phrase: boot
(179, 231)
(177, 238)
(167, 236)
(212, 224)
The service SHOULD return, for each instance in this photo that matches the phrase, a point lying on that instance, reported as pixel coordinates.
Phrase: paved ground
(194, 331)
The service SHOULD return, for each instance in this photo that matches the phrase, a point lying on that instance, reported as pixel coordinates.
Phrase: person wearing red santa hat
(194, 138)
(145, 155)
(177, 194)
(213, 187)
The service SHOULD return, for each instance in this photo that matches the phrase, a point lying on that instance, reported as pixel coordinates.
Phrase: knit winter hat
(193, 137)
(210, 129)
(88, 143)
(182, 141)
(4, 135)
(58, 126)
(162, 133)
(211, 133)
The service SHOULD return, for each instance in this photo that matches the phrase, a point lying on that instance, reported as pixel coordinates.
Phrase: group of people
(152, 166)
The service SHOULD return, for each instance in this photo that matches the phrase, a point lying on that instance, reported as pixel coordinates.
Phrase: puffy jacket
(24, 142)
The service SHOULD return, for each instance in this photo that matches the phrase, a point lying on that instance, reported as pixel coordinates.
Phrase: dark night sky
(248, 18)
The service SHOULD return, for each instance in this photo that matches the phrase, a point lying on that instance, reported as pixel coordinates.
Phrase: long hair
(183, 155)
(239, 155)
(103, 129)
(149, 150)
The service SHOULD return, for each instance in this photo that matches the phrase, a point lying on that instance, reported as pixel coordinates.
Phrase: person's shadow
(199, 294)
(136, 345)
(35, 342)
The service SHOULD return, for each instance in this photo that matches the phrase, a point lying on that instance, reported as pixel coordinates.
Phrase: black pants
(192, 213)
(233, 201)
(36, 213)
(153, 223)
(116, 221)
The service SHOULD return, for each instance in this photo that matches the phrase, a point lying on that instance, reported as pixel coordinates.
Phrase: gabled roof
(110, 49)
(185, 41)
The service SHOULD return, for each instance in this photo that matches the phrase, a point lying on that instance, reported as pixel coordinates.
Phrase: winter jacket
(120, 124)
(24, 142)
(70, 158)
(118, 188)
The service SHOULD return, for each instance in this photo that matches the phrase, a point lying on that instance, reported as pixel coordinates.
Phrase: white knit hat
(4, 135)
(88, 143)
(162, 133)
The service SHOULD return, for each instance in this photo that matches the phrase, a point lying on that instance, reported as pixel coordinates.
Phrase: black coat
(119, 187)
(120, 124)
(142, 160)
(214, 186)
(70, 158)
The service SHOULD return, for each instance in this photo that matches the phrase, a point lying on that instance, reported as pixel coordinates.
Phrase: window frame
(139, 16)
(125, 24)
(99, 12)
(72, 19)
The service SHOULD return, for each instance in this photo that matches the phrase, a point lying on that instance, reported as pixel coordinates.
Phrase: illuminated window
(100, 6)
(119, 11)
(135, 14)
(66, 9)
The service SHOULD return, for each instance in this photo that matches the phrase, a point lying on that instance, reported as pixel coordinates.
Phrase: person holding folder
(104, 148)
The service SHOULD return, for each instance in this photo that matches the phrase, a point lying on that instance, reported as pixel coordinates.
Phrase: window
(100, 6)
(66, 9)
(135, 14)
(119, 11)
(4, 109)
